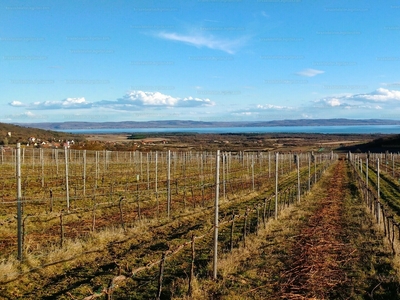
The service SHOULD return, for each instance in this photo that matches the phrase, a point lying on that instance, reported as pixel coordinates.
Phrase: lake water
(354, 129)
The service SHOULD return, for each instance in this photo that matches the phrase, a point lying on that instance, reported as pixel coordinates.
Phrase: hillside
(388, 143)
(21, 134)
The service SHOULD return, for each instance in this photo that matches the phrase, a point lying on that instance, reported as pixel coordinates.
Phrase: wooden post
(245, 229)
(232, 229)
(264, 213)
(61, 230)
(160, 277)
(121, 214)
(191, 277)
(94, 218)
(51, 200)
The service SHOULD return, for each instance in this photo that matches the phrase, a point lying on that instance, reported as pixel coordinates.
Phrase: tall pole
(155, 183)
(366, 172)
(315, 169)
(223, 175)
(252, 170)
(66, 176)
(366, 178)
(276, 184)
(84, 172)
(19, 203)
(309, 172)
(169, 183)
(215, 261)
(378, 205)
(269, 164)
(298, 177)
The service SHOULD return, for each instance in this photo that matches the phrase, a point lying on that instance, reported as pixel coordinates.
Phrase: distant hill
(200, 124)
(388, 143)
(21, 134)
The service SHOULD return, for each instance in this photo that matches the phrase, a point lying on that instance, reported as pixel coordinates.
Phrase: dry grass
(73, 252)
(255, 272)
(237, 276)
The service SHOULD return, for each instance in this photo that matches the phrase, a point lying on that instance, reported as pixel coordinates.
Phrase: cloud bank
(377, 99)
(133, 100)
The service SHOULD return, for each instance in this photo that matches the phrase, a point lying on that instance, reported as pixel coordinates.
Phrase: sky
(201, 60)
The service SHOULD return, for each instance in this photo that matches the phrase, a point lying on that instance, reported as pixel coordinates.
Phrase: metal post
(169, 183)
(276, 184)
(66, 176)
(298, 177)
(155, 182)
(366, 171)
(223, 174)
(84, 172)
(309, 172)
(216, 216)
(378, 206)
(315, 169)
(366, 177)
(269, 164)
(252, 170)
(19, 203)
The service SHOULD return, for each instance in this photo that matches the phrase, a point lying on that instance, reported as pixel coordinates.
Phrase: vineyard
(378, 177)
(153, 225)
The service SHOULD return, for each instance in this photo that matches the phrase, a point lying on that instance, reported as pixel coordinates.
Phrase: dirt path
(327, 247)
(321, 252)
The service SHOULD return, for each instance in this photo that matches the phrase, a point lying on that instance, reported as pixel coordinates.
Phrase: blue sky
(203, 60)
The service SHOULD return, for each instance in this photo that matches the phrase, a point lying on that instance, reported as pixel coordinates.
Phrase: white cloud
(68, 103)
(380, 95)
(272, 107)
(370, 100)
(16, 103)
(149, 98)
(333, 102)
(201, 40)
(73, 101)
(134, 100)
(245, 113)
(309, 72)
(29, 114)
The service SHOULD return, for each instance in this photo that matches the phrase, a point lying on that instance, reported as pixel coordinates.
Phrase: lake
(353, 129)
